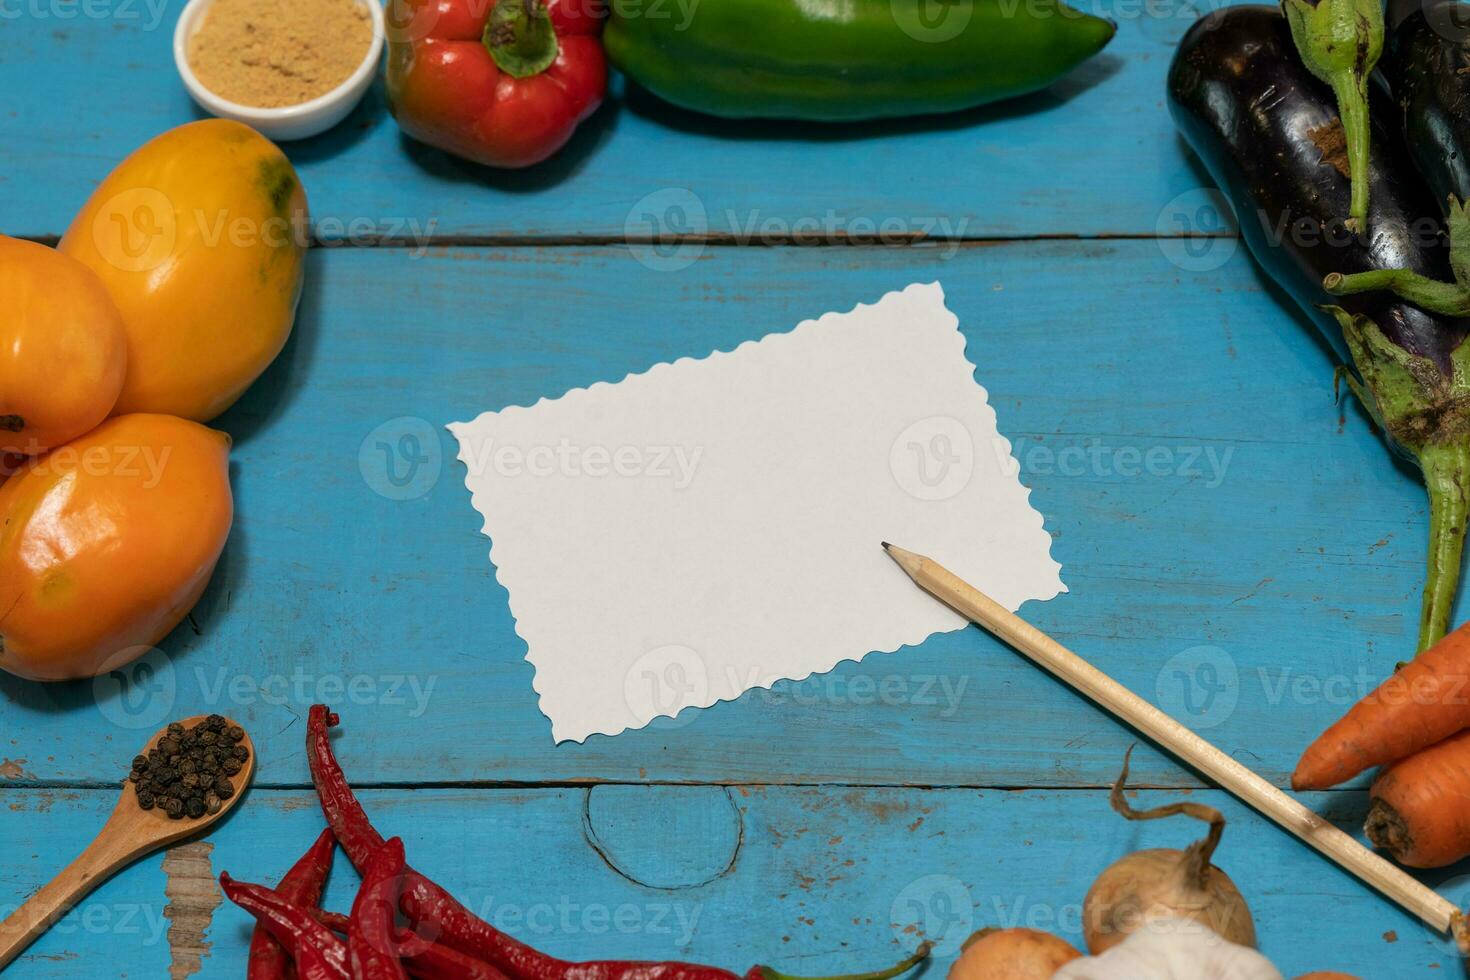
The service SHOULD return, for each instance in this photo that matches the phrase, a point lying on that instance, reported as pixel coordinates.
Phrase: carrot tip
(1302, 782)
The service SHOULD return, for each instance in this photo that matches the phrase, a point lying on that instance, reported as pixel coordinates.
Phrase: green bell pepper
(835, 60)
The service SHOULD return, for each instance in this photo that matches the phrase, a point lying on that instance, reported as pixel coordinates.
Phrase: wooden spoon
(130, 833)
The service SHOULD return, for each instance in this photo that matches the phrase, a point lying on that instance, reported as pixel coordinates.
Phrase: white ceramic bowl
(291, 122)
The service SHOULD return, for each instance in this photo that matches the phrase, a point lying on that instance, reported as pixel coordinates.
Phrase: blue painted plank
(1240, 548)
(826, 881)
(1095, 154)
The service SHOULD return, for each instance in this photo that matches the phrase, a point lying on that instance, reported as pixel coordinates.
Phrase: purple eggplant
(1427, 67)
(1269, 133)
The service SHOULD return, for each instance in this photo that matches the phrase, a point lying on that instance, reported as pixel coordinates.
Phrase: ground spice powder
(275, 53)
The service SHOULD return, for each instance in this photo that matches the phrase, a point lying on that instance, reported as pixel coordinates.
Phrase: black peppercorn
(187, 773)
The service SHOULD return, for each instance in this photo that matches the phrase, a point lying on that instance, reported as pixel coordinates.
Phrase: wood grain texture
(826, 880)
(193, 895)
(1095, 154)
(1241, 549)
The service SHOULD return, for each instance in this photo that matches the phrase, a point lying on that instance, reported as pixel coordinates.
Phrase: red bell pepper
(500, 82)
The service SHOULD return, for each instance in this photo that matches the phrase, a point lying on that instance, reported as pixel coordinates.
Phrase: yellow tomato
(200, 237)
(63, 351)
(107, 542)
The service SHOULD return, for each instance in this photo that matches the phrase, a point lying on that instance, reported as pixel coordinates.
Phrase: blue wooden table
(1238, 545)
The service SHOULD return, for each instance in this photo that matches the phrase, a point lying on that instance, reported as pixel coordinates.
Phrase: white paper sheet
(713, 526)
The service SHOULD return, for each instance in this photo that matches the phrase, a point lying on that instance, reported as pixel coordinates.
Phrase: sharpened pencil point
(886, 546)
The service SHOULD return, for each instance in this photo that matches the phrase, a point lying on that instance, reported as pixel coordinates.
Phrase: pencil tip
(886, 546)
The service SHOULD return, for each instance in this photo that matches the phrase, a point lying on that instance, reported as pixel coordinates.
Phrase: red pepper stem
(520, 37)
(919, 956)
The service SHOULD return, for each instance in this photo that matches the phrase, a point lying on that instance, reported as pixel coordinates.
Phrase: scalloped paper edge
(508, 574)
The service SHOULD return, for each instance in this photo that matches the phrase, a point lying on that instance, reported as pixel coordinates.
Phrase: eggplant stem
(1447, 476)
(1431, 295)
(1351, 89)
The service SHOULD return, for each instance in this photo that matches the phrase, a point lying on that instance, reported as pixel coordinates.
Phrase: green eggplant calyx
(1457, 223)
(1445, 298)
(520, 37)
(1427, 414)
(1340, 41)
(919, 955)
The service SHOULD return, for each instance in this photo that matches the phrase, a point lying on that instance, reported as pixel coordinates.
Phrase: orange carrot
(1427, 701)
(1421, 806)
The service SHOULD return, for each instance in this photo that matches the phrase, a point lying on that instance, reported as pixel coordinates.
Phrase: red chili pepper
(425, 961)
(438, 962)
(335, 921)
(499, 82)
(438, 917)
(302, 885)
(372, 947)
(318, 954)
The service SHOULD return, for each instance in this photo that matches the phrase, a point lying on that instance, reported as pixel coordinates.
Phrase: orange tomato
(63, 350)
(200, 237)
(107, 542)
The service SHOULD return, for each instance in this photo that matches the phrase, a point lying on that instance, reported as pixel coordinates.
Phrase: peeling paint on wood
(193, 895)
(14, 769)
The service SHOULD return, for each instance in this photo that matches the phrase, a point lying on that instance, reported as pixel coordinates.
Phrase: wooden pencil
(1224, 770)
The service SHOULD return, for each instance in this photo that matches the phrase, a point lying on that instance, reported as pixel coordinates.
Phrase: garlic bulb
(1172, 949)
